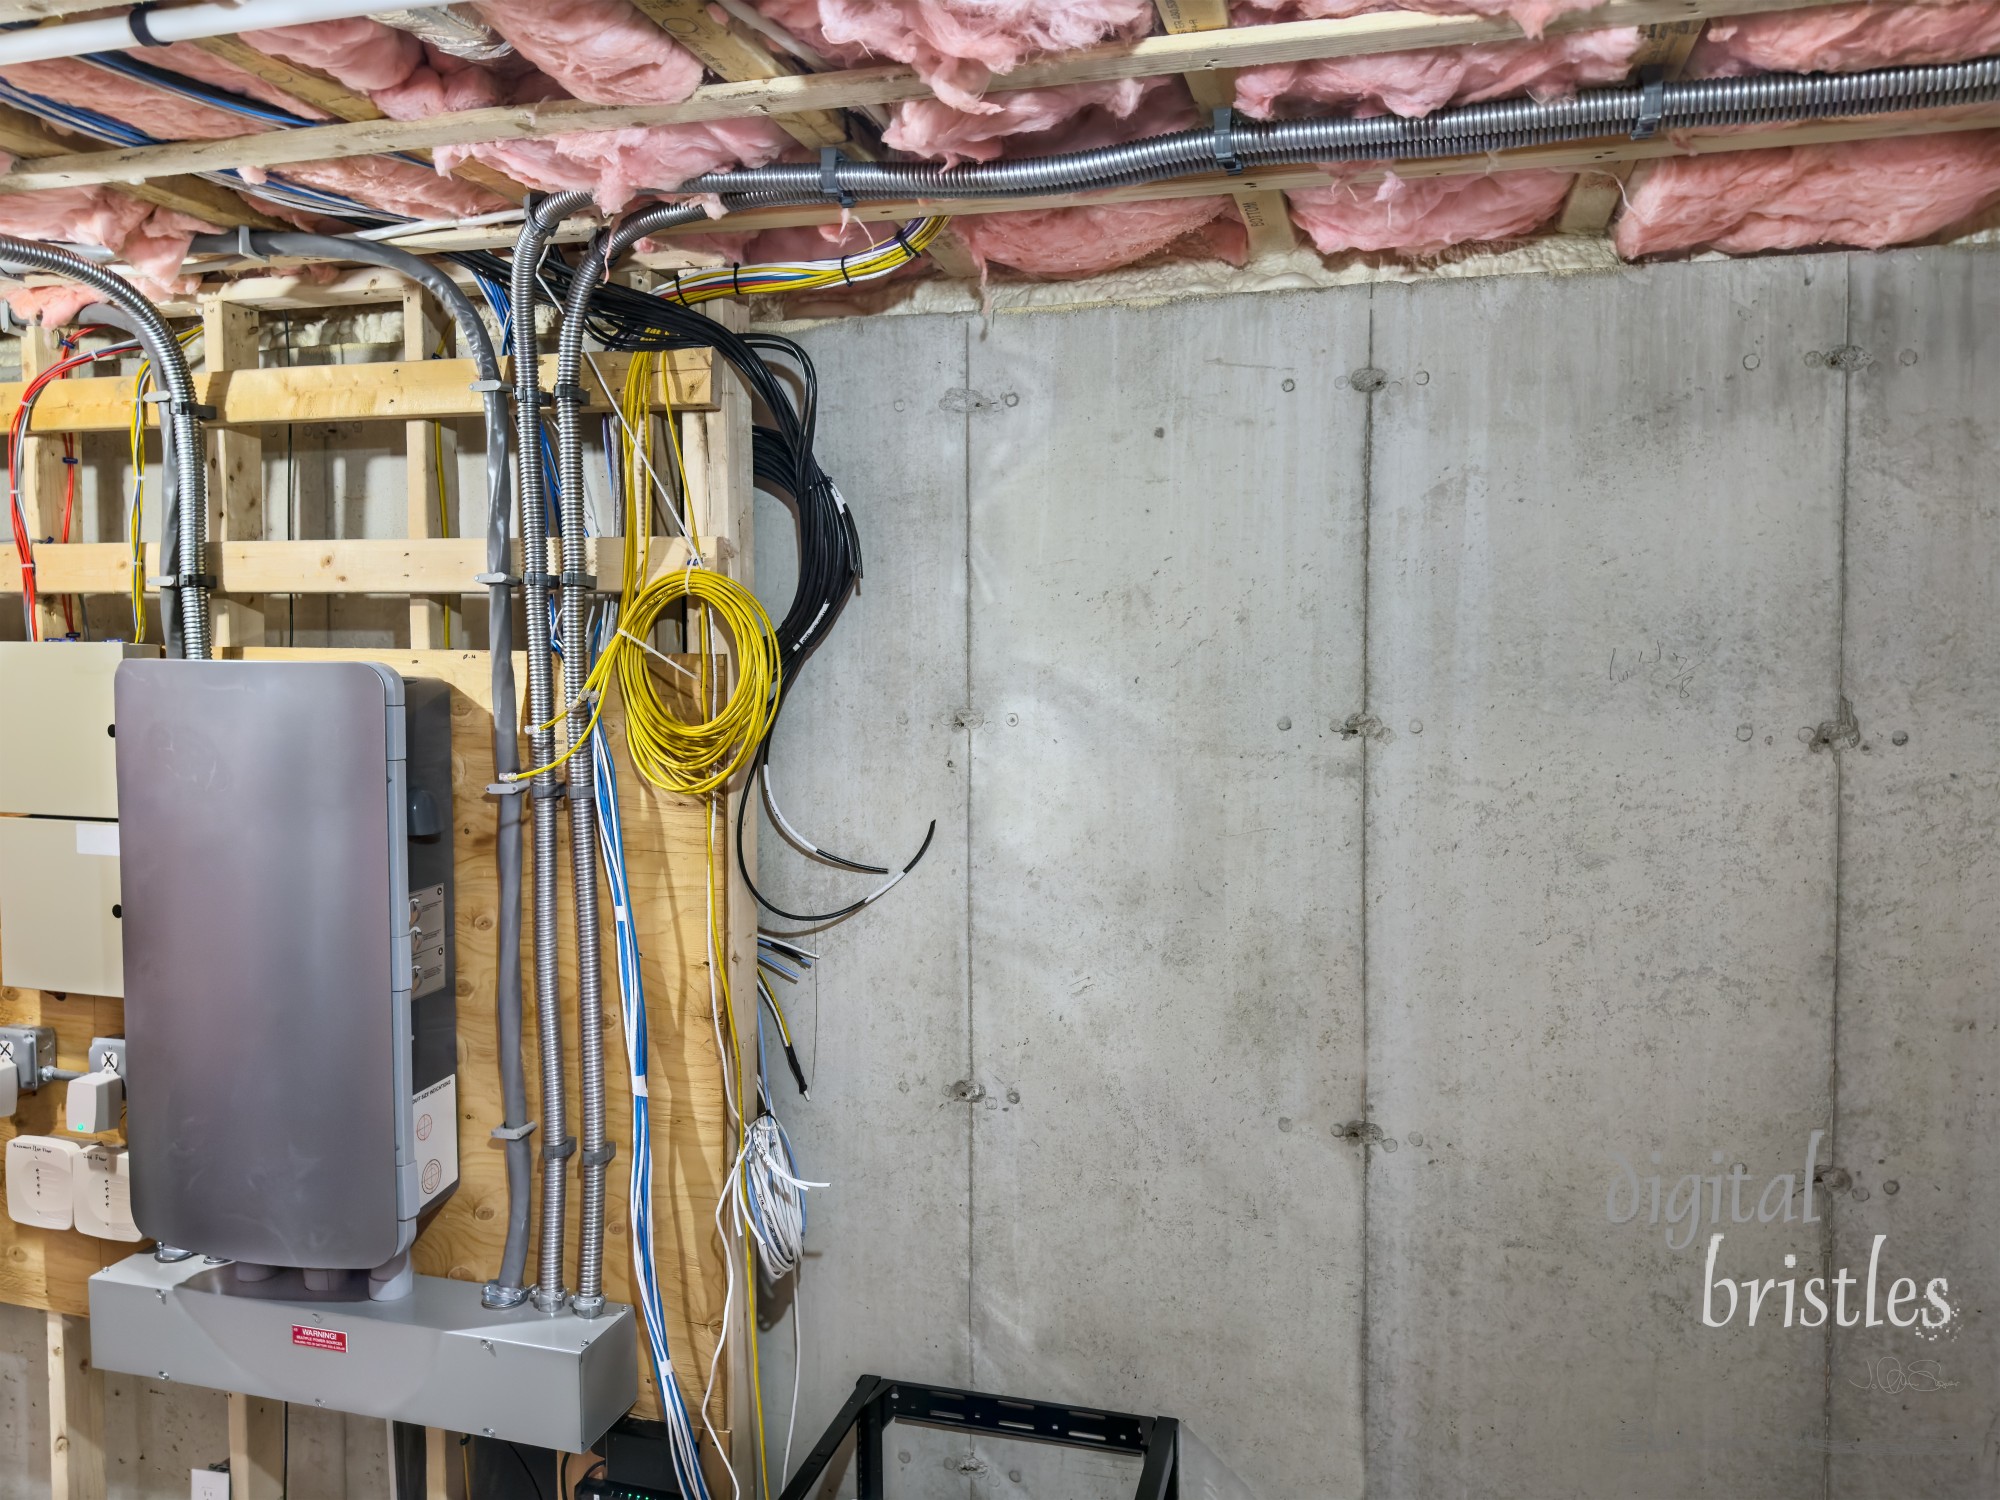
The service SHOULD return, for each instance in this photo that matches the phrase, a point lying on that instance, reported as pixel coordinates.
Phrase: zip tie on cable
(180, 406)
(561, 1150)
(515, 1132)
(585, 581)
(576, 395)
(598, 1156)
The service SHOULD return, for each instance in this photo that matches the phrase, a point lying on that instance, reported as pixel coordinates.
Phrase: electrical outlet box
(101, 1194)
(208, 1484)
(61, 758)
(26, 1050)
(41, 1178)
(60, 913)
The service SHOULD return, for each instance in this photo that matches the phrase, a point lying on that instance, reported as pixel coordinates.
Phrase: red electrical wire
(16, 432)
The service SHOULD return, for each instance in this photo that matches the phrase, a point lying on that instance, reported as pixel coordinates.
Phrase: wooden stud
(76, 1412)
(1596, 197)
(43, 476)
(400, 392)
(1238, 47)
(431, 620)
(256, 1448)
(235, 469)
(1265, 214)
(444, 1471)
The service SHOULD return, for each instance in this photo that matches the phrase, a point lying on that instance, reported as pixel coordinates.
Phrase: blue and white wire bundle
(632, 1000)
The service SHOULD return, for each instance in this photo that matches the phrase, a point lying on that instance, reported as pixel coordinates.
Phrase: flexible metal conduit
(597, 1150)
(1467, 130)
(184, 593)
(557, 1143)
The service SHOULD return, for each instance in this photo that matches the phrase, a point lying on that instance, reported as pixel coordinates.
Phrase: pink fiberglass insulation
(383, 182)
(617, 166)
(1415, 83)
(406, 79)
(957, 46)
(1843, 38)
(153, 240)
(606, 51)
(1532, 15)
(1424, 215)
(1033, 122)
(1067, 242)
(1862, 193)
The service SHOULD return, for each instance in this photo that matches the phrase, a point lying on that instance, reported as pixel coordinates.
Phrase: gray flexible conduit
(181, 556)
(557, 1143)
(508, 1289)
(597, 1150)
(1467, 130)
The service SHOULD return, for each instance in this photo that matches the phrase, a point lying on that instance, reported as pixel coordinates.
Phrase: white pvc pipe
(184, 23)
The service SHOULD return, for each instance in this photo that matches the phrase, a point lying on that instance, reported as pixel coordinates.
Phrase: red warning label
(329, 1339)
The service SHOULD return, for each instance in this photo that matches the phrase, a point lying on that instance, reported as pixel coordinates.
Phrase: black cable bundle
(785, 467)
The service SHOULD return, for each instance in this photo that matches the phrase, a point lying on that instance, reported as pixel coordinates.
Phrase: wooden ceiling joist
(795, 94)
(330, 96)
(1264, 215)
(28, 139)
(736, 58)
(1595, 199)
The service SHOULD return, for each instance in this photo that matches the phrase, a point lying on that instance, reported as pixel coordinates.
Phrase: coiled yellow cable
(695, 758)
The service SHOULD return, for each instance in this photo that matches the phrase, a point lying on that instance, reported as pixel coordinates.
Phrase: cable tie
(678, 292)
(1652, 102)
(544, 581)
(496, 580)
(575, 395)
(515, 1132)
(141, 27)
(561, 1150)
(549, 792)
(181, 581)
(71, 458)
(843, 271)
(599, 1156)
(1225, 141)
(585, 581)
(830, 161)
(736, 276)
(639, 1089)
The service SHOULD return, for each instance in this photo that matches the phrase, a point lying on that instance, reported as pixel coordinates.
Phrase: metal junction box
(289, 977)
(436, 1357)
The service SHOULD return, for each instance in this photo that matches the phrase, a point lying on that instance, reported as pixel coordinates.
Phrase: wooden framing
(1596, 197)
(666, 843)
(793, 94)
(414, 390)
(1264, 214)
(24, 136)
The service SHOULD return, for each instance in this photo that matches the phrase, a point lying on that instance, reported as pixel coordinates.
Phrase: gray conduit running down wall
(597, 1149)
(184, 593)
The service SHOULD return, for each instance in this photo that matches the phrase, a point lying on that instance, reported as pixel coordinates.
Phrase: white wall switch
(41, 1171)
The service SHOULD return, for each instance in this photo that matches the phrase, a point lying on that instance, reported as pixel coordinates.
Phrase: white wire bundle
(768, 1197)
(632, 997)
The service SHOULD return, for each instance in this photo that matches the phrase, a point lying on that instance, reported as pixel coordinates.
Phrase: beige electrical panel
(59, 757)
(59, 912)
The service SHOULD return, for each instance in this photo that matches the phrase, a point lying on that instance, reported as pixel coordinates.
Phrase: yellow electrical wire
(708, 283)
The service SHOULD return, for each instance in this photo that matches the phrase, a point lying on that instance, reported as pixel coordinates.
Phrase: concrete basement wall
(1400, 754)
(1369, 811)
